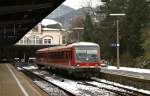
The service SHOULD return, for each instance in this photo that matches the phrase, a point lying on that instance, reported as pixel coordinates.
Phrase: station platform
(128, 72)
(15, 83)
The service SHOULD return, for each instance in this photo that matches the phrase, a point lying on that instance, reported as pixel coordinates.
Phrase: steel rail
(110, 90)
(40, 77)
(135, 91)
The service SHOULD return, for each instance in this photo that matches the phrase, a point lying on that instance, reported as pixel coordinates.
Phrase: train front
(86, 58)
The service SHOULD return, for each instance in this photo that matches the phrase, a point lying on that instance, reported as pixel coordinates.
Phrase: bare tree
(77, 22)
(90, 5)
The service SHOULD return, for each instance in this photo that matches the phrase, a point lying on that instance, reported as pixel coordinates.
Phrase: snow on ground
(72, 86)
(138, 70)
(50, 89)
(18, 68)
(76, 88)
(79, 89)
(30, 67)
(38, 73)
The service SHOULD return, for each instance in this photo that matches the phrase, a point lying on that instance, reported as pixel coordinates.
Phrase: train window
(52, 55)
(86, 54)
(56, 55)
(60, 55)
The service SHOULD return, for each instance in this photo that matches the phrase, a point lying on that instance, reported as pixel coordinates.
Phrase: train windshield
(86, 54)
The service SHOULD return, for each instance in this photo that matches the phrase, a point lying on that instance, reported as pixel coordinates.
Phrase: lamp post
(118, 44)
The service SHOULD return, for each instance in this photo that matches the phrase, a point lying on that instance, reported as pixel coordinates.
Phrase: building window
(25, 40)
(37, 40)
(29, 41)
(33, 40)
(47, 41)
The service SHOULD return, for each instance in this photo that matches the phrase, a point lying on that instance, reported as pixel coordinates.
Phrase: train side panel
(59, 59)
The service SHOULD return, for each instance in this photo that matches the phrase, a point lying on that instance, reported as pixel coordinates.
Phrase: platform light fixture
(117, 29)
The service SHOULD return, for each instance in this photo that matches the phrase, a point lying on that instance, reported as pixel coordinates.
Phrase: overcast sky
(80, 3)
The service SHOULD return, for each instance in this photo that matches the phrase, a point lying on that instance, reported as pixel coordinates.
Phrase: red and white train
(76, 58)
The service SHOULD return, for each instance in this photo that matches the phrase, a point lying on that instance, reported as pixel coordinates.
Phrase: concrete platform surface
(127, 73)
(15, 83)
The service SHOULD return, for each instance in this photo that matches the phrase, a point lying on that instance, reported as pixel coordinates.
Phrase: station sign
(114, 45)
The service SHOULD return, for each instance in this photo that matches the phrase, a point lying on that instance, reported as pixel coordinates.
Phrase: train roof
(68, 46)
(51, 48)
(84, 44)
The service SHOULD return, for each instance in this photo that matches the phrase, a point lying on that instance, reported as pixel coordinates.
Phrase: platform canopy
(17, 17)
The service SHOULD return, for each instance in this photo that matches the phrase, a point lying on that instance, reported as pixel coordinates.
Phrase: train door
(69, 57)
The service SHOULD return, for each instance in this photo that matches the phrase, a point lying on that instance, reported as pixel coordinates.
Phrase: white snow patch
(30, 67)
(70, 86)
(73, 86)
(85, 44)
(46, 22)
(138, 70)
(19, 68)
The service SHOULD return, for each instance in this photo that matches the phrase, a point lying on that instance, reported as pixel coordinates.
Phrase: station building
(47, 32)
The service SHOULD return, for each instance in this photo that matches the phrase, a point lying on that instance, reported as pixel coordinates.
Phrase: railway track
(137, 92)
(50, 88)
(120, 93)
(94, 87)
